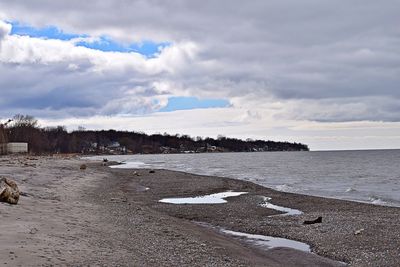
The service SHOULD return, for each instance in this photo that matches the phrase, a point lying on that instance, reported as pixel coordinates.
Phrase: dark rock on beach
(318, 220)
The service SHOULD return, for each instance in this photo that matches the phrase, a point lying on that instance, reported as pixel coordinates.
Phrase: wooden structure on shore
(3, 148)
(3, 141)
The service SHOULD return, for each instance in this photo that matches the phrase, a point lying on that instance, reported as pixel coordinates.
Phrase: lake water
(371, 176)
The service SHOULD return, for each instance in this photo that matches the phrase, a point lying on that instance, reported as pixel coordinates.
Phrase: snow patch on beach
(268, 242)
(260, 241)
(218, 198)
(287, 211)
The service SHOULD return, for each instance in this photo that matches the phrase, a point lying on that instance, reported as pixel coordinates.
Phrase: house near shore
(113, 148)
(13, 148)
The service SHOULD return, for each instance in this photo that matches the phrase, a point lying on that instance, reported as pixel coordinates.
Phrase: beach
(112, 217)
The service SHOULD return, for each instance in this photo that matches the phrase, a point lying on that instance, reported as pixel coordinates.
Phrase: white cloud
(288, 61)
(320, 52)
(5, 29)
(56, 77)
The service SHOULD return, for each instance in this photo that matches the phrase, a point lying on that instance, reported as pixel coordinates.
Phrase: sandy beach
(112, 217)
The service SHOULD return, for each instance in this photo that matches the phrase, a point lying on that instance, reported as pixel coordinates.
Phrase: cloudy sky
(326, 73)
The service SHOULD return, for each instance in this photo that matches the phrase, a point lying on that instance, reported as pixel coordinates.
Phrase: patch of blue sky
(146, 48)
(187, 103)
(48, 32)
(104, 43)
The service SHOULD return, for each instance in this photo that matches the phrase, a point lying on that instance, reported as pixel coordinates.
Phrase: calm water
(368, 176)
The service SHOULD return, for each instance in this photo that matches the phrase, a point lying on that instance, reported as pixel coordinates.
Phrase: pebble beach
(100, 216)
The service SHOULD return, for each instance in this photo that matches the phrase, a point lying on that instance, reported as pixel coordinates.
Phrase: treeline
(59, 140)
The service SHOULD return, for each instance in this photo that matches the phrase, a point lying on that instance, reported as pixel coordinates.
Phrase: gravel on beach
(113, 217)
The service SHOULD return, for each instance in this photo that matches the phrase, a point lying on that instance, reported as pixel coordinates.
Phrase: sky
(324, 73)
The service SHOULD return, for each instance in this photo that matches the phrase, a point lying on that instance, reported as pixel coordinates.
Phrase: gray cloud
(344, 110)
(342, 56)
(55, 90)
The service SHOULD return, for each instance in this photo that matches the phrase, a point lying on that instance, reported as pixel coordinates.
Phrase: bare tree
(28, 121)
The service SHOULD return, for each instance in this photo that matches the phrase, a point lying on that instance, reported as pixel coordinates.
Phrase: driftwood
(9, 191)
(318, 220)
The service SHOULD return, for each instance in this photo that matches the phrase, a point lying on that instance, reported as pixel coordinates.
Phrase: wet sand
(103, 216)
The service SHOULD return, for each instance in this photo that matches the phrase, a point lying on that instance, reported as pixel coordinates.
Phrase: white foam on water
(129, 165)
(218, 198)
(287, 211)
(350, 189)
(285, 188)
(377, 201)
(268, 242)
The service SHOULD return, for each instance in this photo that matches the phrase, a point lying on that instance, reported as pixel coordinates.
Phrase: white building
(17, 147)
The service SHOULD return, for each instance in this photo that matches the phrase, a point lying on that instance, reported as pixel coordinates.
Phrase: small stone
(152, 171)
(359, 231)
(33, 231)
(83, 167)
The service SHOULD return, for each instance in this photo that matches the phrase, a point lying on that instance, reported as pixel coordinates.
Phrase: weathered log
(9, 191)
